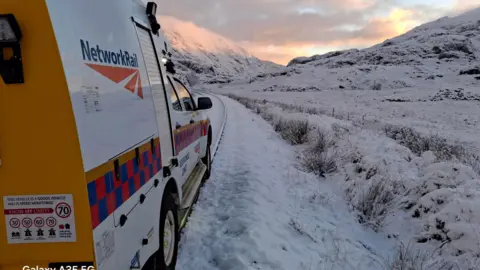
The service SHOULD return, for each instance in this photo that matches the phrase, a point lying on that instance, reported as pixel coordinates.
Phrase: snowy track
(218, 118)
(257, 211)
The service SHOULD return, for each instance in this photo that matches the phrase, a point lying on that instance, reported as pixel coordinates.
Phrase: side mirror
(204, 103)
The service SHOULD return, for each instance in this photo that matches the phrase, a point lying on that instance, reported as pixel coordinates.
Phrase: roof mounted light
(152, 8)
(151, 12)
(11, 70)
(9, 29)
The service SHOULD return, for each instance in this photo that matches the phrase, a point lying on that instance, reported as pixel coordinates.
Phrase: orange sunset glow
(279, 31)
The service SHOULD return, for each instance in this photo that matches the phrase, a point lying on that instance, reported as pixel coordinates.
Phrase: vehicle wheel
(166, 258)
(207, 160)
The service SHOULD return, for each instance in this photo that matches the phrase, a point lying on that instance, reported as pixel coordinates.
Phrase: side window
(184, 96)
(174, 97)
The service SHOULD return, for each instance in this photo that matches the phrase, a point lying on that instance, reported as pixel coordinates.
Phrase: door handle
(191, 121)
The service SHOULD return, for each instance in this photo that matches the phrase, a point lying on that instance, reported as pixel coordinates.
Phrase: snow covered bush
(294, 131)
(250, 104)
(436, 50)
(323, 141)
(448, 55)
(280, 125)
(470, 71)
(408, 257)
(319, 158)
(457, 94)
(376, 86)
(374, 203)
(445, 175)
(420, 143)
(447, 201)
(319, 163)
(267, 116)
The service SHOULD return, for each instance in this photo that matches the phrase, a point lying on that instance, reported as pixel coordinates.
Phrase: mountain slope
(444, 52)
(200, 53)
(448, 39)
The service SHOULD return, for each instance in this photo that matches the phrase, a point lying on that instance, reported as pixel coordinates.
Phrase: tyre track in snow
(219, 215)
(244, 216)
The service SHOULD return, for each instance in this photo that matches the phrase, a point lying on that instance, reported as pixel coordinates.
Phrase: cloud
(278, 30)
(464, 5)
(276, 22)
(375, 30)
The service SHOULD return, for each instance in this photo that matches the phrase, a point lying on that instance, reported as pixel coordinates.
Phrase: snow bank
(446, 200)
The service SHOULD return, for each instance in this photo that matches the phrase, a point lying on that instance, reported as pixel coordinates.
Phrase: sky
(280, 30)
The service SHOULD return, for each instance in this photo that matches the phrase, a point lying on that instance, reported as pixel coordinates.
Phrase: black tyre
(207, 160)
(166, 258)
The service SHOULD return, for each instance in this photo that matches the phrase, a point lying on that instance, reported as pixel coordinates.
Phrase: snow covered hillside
(442, 52)
(200, 54)
(393, 129)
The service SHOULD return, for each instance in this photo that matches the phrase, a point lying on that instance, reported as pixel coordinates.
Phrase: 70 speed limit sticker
(39, 218)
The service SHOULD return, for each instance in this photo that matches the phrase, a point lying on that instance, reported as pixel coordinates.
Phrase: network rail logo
(116, 66)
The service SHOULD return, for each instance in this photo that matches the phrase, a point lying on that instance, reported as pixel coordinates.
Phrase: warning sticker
(39, 218)
(91, 99)
(105, 247)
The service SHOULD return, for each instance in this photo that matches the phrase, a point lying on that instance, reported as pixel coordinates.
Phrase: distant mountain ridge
(447, 39)
(203, 56)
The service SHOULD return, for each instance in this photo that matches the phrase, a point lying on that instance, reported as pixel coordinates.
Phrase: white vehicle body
(139, 130)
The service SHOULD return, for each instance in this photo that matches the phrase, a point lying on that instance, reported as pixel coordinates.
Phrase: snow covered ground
(259, 211)
(457, 120)
(424, 204)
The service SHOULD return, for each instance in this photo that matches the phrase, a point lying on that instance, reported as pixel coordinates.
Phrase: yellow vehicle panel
(39, 148)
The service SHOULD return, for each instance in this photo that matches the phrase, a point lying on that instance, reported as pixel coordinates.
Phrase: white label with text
(39, 218)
